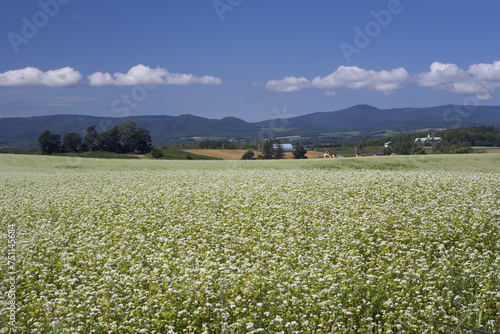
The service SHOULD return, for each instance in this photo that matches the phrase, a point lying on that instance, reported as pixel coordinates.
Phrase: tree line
(405, 144)
(452, 141)
(474, 135)
(217, 145)
(273, 149)
(122, 138)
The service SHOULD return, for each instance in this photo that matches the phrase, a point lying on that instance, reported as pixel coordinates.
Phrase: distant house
(328, 155)
(427, 139)
(360, 153)
(286, 147)
(376, 154)
(388, 144)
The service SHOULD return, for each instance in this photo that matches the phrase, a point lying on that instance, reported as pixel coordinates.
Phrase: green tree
(55, 143)
(91, 137)
(110, 140)
(362, 145)
(249, 155)
(127, 129)
(205, 144)
(267, 149)
(418, 149)
(279, 152)
(49, 143)
(156, 153)
(403, 144)
(140, 141)
(299, 152)
(43, 142)
(72, 142)
(439, 147)
(461, 149)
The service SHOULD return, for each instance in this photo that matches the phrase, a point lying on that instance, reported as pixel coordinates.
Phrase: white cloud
(288, 84)
(441, 76)
(100, 79)
(31, 76)
(479, 80)
(351, 77)
(143, 75)
(488, 74)
(354, 77)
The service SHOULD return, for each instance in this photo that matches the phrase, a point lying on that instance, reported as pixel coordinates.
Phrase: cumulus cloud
(488, 74)
(442, 75)
(288, 84)
(479, 80)
(143, 75)
(351, 77)
(354, 77)
(31, 76)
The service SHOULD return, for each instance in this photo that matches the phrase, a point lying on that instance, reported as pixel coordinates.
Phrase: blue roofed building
(286, 147)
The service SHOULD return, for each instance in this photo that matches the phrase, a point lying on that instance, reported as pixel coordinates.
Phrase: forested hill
(368, 119)
(23, 132)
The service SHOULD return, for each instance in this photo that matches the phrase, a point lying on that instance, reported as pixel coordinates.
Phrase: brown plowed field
(237, 154)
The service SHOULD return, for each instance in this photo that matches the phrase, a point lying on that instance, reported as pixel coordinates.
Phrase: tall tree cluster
(273, 149)
(122, 138)
(299, 152)
(474, 135)
(49, 143)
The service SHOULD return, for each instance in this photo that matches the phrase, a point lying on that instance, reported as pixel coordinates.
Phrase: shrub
(249, 155)
(156, 153)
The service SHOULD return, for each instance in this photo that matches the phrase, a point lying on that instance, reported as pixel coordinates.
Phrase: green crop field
(173, 154)
(372, 245)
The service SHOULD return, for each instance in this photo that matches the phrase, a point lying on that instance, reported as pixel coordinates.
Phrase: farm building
(286, 147)
(328, 155)
(427, 139)
(376, 154)
(388, 144)
(360, 153)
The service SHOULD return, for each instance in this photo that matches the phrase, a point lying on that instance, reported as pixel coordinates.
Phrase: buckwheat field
(94, 246)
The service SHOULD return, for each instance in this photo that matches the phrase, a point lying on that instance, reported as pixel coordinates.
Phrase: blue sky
(249, 59)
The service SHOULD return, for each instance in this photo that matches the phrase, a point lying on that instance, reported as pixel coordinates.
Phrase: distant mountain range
(361, 120)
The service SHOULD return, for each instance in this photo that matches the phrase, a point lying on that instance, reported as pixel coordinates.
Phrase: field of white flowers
(249, 250)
